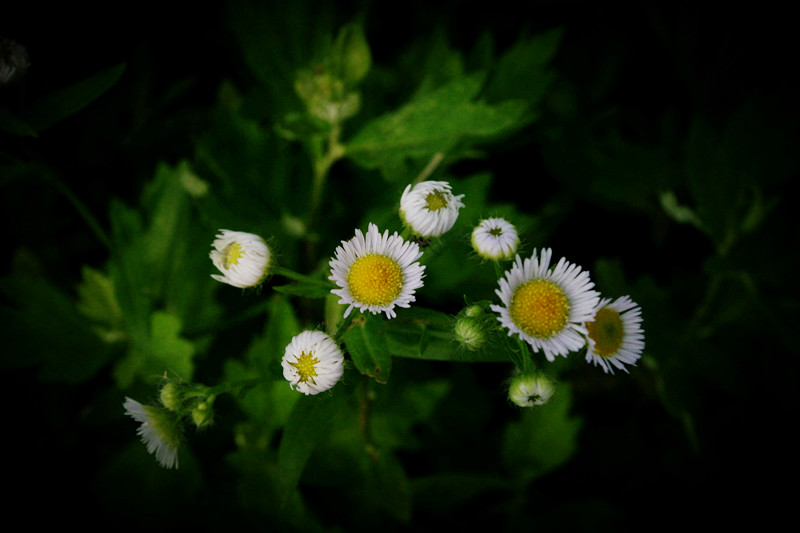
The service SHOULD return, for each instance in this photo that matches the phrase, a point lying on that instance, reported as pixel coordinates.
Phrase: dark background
(631, 67)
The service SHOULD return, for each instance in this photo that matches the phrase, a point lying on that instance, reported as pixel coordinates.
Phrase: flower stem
(430, 167)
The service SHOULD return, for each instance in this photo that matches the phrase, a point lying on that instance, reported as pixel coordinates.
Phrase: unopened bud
(469, 332)
(202, 414)
(352, 54)
(531, 388)
(171, 396)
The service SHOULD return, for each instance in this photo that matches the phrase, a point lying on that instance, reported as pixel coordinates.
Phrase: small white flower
(429, 208)
(527, 390)
(312, 362)
(243, 258)
(614, 334)
(546, 307)
(159, 430)
(495, 239)
(376, 272)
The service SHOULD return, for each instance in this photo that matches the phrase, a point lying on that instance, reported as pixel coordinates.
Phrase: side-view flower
(243, 258)
(614, 334)
(429, 208)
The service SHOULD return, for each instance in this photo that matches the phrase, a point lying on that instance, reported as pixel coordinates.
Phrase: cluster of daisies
(553, 308)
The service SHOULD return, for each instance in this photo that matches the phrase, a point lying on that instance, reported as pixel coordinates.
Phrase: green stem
(322, 164)
(343, 325)
(430, 167)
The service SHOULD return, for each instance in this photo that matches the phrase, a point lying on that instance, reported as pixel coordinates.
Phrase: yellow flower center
(606, 331)
(375, 280)
(306, 365)
(539, 308)
(436, 200)
(233, 252)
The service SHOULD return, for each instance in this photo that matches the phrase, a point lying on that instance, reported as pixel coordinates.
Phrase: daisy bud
(495, 239)
(473, 311)
(243, 258)
(202, 414)
(429, 209)
(312, 362)
(469, 332)
(171, 396)
(530, 389)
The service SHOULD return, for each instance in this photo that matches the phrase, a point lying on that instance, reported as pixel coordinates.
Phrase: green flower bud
(351, 54)
(530, 388)
(473, 311)
(469, 332)
(326, 97)
(202, 414)
(171, 396)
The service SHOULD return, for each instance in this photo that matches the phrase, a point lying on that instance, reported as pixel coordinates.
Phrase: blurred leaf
(387, 486)
(399, 408)
(523, 71)
(715, 192)
(162, 351)
(443, 493)
(679, 213)
(62, 103)
(543, 439)
(367, 346)
(42, 326)
(350, 54)
(434, 122)
(14, 125)
(306, 286)
(309, 423)
(277, 40)
(98, 303)
(169, 349)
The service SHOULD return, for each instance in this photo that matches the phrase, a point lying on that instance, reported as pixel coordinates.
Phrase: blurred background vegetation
(658, 151)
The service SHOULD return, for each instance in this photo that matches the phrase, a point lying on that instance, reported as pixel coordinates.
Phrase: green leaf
(14, 125)
(98, 302)
(420, 333)
(443, 493)
(42, 326)
(523, 70)
(438, 121)
(306, 286)
(64, 102)
(366, 343)
(309, 423)
(162, 351)
(543, 439)
(387, 486)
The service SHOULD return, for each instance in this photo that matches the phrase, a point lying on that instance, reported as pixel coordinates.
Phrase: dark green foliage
(656, 158)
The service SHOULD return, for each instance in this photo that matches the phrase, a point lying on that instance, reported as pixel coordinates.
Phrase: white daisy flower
(614, 334)
(495, 239)
(376, 272)
(312, 362)
(529, 389)
(243, 258)
(546, 307)
(429, 208)
(159, 431)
